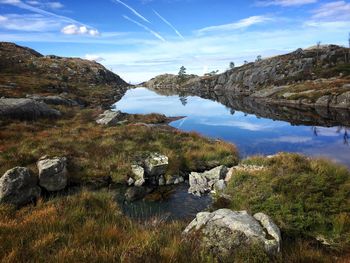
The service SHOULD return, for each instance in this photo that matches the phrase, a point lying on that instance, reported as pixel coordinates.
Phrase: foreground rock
(19, 187)
(151, 170)
(26, 109)
(111, 118)
(224, 231)
(201, 183)
(53, 173)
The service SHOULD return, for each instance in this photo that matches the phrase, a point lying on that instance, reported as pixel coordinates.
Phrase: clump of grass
(306, 197)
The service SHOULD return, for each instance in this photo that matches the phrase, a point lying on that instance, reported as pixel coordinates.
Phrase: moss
(306, 197)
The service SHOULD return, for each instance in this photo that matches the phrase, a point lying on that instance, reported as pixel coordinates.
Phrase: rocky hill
(24, 71)
(315, 75)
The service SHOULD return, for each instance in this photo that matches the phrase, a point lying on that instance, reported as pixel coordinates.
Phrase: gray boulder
(156, 165)
(26, 109)
(174, 179)
(53, 173)
(19, 187)
(225, 231)
(139, 175)
(111, 118)
(201, 183)
(53, 100)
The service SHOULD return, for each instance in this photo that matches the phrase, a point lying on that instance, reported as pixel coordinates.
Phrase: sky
(139, 39)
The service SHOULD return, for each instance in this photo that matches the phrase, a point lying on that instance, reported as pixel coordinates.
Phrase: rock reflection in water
(256, 127)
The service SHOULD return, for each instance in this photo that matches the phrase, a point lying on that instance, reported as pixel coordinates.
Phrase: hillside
(312, 76)
(24, 71)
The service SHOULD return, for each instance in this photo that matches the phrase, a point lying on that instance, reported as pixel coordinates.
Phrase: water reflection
(253, 126)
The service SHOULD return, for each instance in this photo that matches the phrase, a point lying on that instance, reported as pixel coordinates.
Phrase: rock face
(225, 231)
(26, 109)
(201, 183)
(151, 170)
(53, 100)
(110, 118)
(53, 173)
(19, 187)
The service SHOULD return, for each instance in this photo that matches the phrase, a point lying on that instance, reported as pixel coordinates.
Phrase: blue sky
(139, 39)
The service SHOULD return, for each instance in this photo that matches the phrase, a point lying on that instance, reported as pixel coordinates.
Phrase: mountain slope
(24, 71)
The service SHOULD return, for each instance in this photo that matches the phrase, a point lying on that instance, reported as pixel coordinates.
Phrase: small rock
(53, 173)
(156, 165)
(131, 181)
(110, 118)
(137, 193)
(19, 187)
(161, 181)
(139, 173)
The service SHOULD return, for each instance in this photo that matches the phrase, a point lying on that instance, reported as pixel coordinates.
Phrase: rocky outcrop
(19, 187)
(46, 76)
(224, 232)
(201, 183)
(26, 109)
(111, 118)
(52, 173)
(278, 79)
(53, 100)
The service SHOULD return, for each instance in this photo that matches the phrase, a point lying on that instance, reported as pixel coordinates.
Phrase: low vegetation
(94, 151)
(307, 198)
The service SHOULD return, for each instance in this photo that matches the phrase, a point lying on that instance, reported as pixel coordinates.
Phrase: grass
(94, 151)
(307, 198)
(88, 227)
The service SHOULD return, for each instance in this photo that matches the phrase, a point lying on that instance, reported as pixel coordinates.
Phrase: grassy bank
(95, 151)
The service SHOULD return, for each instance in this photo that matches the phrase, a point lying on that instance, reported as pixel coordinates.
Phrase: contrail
(25, 6)
(146, 28)
(169, 24)
(132, 10)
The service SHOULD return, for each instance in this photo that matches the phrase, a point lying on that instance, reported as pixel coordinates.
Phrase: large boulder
(26, 109)
(225, 231)
(19, 187)
(53, 173)
(111, 118)
(201, 183)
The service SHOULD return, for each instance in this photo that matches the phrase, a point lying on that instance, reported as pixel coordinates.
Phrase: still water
(251, 134)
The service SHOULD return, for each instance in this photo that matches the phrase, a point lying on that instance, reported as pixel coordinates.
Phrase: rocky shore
(315, 77)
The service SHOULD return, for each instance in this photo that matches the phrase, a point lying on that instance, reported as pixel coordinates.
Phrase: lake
(232, 122)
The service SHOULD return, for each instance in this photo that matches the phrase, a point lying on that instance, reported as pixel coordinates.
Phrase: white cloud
(339, 10)
(50, 15)
(243, 23)
(28, 23)
(48, 5)
(285, 3)
(78, 30)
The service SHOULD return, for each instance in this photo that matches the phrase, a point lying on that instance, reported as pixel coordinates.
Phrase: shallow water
(166, 203)
(252, 134)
